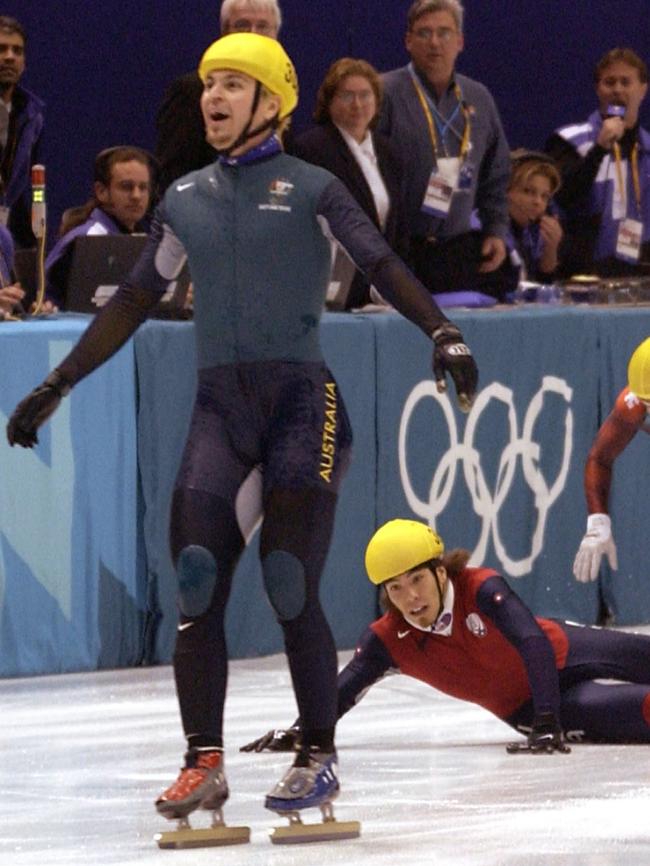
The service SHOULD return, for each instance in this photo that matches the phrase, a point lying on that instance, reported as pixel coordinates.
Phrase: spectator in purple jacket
(119, 204)
(21, 125)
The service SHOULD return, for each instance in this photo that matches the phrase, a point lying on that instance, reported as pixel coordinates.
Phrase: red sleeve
(616, 432)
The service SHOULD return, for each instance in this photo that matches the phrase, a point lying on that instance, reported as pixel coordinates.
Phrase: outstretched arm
(617, 431)
(518, 625)
(107, 333)
(343, 220)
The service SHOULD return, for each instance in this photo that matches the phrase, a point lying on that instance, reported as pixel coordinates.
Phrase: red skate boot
(201, 784)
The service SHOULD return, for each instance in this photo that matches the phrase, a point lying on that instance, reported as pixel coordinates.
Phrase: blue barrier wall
(85, 576)
(70, 564)
(504, 482)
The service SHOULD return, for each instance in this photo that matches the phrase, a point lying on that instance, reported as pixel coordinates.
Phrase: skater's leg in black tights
(295, 538)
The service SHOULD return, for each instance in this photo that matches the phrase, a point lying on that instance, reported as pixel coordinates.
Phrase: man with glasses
(181, 146)
(447, 130)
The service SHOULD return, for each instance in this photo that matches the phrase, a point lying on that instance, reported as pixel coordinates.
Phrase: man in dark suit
(181, 146)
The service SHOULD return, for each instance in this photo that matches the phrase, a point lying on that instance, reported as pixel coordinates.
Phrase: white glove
(598, 540)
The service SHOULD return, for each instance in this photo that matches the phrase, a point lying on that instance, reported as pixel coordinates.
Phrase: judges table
(86, 579)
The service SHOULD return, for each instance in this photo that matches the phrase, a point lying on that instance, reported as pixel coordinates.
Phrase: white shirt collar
(366, 158)
(366, 147)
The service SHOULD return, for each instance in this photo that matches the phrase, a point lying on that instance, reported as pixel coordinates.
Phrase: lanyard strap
(636, 183)
(424, 102)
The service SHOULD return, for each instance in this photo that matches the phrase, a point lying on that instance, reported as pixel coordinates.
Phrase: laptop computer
(98, 265)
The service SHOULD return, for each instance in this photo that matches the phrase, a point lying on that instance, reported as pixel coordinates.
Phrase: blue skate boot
(312, 781)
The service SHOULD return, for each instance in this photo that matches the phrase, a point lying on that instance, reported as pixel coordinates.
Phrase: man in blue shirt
(446, 129)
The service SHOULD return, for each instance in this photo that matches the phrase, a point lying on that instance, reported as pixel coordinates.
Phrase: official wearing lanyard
(449, 172)
(630, 231)
(453, 165)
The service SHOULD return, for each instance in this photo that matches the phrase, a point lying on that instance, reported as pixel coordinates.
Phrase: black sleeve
(363, 242)
(108, 332)
(371, 662)
(518, 625)
(578, 173)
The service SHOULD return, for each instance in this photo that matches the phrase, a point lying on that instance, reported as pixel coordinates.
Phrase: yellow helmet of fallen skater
(399, 546)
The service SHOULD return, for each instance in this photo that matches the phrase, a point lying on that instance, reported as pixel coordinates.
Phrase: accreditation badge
(441, 186)
(628, 240)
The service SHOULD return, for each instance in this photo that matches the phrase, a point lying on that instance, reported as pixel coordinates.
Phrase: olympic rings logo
(521, 445)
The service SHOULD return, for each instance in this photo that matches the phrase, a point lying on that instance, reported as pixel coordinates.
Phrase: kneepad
(284, 579)
(197, 578)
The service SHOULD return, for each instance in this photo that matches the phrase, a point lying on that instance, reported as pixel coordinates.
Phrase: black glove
(280, 740)
(35, 409)
(545, 737)
(452, 356)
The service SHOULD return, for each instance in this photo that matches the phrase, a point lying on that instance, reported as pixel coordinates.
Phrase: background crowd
(423, 150)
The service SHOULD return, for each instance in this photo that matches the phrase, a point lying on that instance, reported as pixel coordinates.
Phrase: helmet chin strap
(440, 601)
(248, 133)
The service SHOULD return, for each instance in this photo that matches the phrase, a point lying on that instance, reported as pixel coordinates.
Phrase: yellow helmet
(261, 57)
(638, 371)
(399, 546)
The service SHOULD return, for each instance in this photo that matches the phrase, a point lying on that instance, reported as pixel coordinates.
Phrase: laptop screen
(100, 263)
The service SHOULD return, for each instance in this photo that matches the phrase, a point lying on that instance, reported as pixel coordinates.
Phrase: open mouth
(418, 611)
(216, 116)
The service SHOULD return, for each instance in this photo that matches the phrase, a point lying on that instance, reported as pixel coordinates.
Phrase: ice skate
(201, 784)
(312, 781)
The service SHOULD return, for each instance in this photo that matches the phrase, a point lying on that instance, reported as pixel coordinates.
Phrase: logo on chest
(279, 192)
(476, 625)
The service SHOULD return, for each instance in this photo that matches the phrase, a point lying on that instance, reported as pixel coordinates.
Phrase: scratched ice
(83, 757)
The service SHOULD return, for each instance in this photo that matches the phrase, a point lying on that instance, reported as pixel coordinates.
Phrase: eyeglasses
(442, 34)
(347, 97)
(245, 25)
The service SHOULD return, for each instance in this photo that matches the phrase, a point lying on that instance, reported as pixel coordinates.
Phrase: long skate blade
(327, 831)
(517, 748)
(204, 837)
(521, 748)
